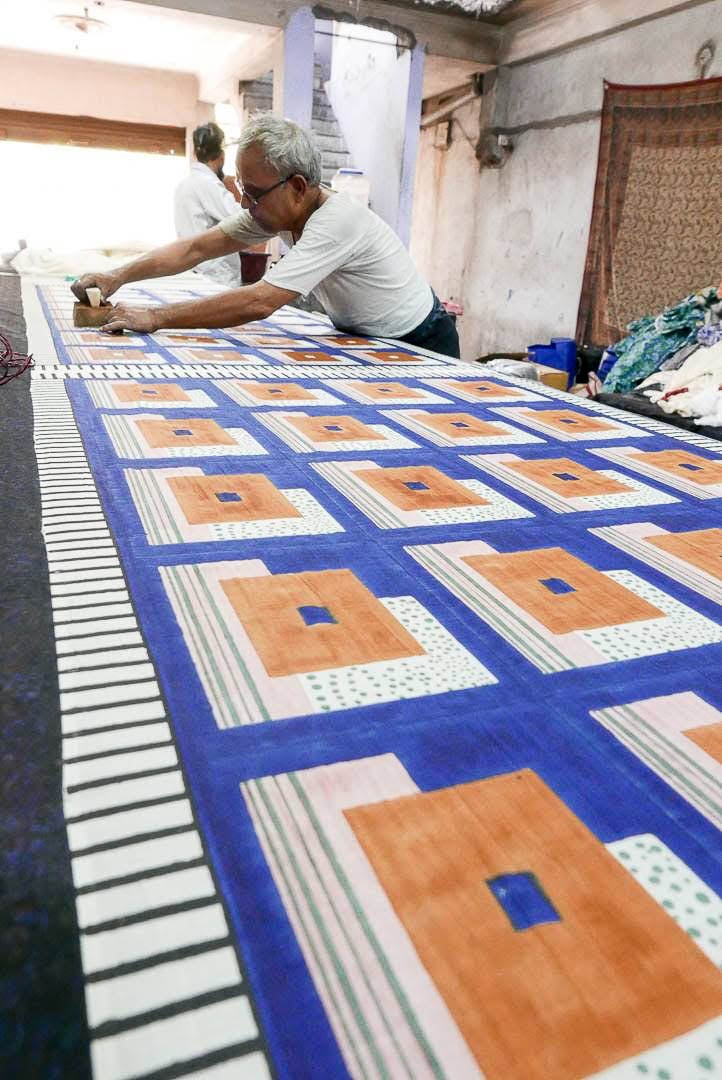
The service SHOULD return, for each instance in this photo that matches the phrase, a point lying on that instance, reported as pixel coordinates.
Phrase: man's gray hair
(287, 147)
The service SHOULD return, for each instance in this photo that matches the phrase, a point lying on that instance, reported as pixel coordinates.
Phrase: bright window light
(71, 197)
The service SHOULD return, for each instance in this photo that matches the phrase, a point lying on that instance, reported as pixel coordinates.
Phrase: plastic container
(543, 354)
(352, 182)
(567, 350)
(606, 364)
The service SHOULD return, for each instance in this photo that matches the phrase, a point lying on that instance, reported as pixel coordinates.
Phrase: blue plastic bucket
(567, 351)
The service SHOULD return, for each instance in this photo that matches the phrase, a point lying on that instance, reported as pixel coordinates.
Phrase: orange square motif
(277, 391)
(251, 497)
(214, 355)
(562, 592)
(566, 477)
(566, 420)
(132, 391)
(316, 620)
(172, 433)
(419, 487)
(345, 342)
(390, 357)
(331, 429)
(300, 356)
(484, 389)
(701, 548)
(692, 467)
(379, 391)
(128, 356)
(613, 952)
(461, 425)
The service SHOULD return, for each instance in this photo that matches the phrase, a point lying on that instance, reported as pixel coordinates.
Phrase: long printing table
(390, 708)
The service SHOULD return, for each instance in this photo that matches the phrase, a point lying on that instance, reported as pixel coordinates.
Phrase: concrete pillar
(411, 143)
(297, 83)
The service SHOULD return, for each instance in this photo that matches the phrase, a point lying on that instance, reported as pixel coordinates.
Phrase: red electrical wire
(12, 364)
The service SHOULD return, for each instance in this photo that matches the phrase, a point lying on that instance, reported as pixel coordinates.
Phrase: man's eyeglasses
(255, 199)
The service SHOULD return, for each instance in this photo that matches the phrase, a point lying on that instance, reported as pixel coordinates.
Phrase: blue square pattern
(313, 616)
(182, 431)
(523, 900)
(557, 586)
(565, 476)
(228, 496)
(415, 485)
(333, 427)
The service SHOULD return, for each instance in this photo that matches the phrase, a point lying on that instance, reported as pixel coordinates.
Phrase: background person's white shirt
(353, 263)
(202, 201)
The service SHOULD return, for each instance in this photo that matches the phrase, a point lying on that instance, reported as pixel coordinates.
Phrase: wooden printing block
(84, 315)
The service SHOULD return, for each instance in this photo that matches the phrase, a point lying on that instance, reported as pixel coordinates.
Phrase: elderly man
(348, 258)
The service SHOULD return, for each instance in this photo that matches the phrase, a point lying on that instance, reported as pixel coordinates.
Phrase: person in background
(202, 200)
(344, 256)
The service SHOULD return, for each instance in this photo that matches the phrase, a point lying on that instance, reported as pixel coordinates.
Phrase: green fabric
(653, 339)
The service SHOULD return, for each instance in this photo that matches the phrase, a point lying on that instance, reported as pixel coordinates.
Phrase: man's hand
(131, 318)
(107, 283)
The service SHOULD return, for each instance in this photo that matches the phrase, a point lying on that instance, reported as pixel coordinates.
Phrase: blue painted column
(298, 36)
(411, 143)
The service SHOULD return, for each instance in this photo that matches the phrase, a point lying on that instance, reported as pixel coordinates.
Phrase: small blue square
(523, 900)
(313, 616)
(228, 496)
(557, 586)
(182, 431)
(568, 420)
(565, 476)
(415, 485)
(275, 390)
(688, 465)
(458, 423)
(149, 393)
(333, 427)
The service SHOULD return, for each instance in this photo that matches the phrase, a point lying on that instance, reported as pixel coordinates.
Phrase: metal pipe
(446, 110)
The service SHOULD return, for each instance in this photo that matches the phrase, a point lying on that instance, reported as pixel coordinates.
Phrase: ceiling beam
(561, 24)
(457, 36)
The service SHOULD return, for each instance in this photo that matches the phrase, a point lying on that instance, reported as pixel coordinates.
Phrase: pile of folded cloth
(675, 359)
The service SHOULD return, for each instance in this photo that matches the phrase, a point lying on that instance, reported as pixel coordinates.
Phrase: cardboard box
(551, 376)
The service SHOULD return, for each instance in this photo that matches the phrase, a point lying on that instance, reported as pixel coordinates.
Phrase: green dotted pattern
(498, 508)
(698, 910)
(447, 666)
(682, 629)
(314, 521)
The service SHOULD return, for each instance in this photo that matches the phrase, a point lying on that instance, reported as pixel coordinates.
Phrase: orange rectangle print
(161, 433)
(568, 420)
(333, 428)
(485, 389)
(316, 620)
(560, 591)
(461, 425)
(701, 548)
(430, 488)
(383, 390)
(559, 1000)
(278, 391)
(132, 391)
(566, 477)
(211, 500)
(695, 469)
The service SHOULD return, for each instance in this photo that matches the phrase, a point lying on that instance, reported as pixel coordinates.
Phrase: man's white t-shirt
(202, 201)
(352, 263)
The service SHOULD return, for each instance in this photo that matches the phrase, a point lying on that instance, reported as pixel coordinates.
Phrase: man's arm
(163, 262)
(232, 308)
